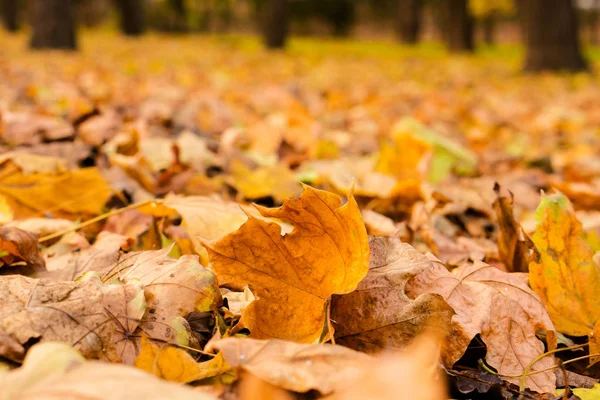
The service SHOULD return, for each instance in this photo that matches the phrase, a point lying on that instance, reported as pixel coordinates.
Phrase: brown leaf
(173, 289)
(89, 316)
(512, 245)
(17, 245)
(378, 314)
(502, 309)
(294, 275)
(293, 366)
(103, 255)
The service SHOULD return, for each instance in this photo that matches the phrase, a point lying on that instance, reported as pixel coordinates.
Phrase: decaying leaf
(92, 317)
(512, 245)
(378, 314)
(563, 271)
(291, 278)
(100, 257)
(293, 366)
(173, 288)
(57, 371)
(499, 307)
(177, 365)
(17, 245)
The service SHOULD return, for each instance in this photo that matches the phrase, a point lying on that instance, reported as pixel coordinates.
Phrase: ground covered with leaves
(198, 218)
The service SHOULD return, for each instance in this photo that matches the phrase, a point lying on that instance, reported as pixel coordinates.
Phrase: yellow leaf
(564, 273)
(177, 365)
(74, 192)
(276, 181)
(6, 213)
(293, 276)
(584, 393)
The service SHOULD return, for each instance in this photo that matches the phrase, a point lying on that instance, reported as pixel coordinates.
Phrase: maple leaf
(500, 308)
(563, 271)
(294, 275)
(378, 314)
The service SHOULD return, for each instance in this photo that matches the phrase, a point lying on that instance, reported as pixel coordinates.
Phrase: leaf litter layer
(128, 231)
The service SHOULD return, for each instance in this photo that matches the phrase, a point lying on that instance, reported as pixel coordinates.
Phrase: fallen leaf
(292, 281)
(6, 213)
(102, 256)
(33, 163)
(74, 192)
(42, 226)
(276, 181)
(500, 308)
(378, 314)
(177, 365)
(563, 272)
(17, 245)
(237, 301)
(378, 224)
(173, 288)
(412, 374)
(93, 318)
(512, 245)
(584, 393)
(57, 371)
(293, 366)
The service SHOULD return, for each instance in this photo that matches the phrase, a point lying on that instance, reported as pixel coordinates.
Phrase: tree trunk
(133, 21)
(10, 15)
(459, 33)
(275, 24)
(53, 24)
(341, 14)
(594, 19)
(408, 20)
(488, 25)
(552, 40)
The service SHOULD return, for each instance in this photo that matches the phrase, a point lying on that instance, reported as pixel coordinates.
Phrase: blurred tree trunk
(488, 25)
(132, 12)
(552, 39)
(459, 31)
(408, 20)
(594, 19)
(10, 15)
(275, 23)
(53, 24)
(341, 15)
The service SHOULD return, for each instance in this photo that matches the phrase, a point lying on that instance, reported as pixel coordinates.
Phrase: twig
(96, 219)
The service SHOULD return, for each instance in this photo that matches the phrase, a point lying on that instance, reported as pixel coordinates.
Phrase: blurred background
(549, 29)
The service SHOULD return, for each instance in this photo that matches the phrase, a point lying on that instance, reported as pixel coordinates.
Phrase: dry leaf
(57, 371)
(293, 366)
(291, 279)
(412, 374)
(177, 365)
(378, 314)
(512, 245)
(102, 256)
(173, 289)
(93, 318)
(377, 224)
(17, 245)
(500, 308)
(563, 271)
(276, 181)
(74, 192)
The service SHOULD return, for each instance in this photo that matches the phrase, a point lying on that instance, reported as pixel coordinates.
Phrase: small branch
(96, 219)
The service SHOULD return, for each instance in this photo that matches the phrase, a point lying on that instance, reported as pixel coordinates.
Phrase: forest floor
(445, 239)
